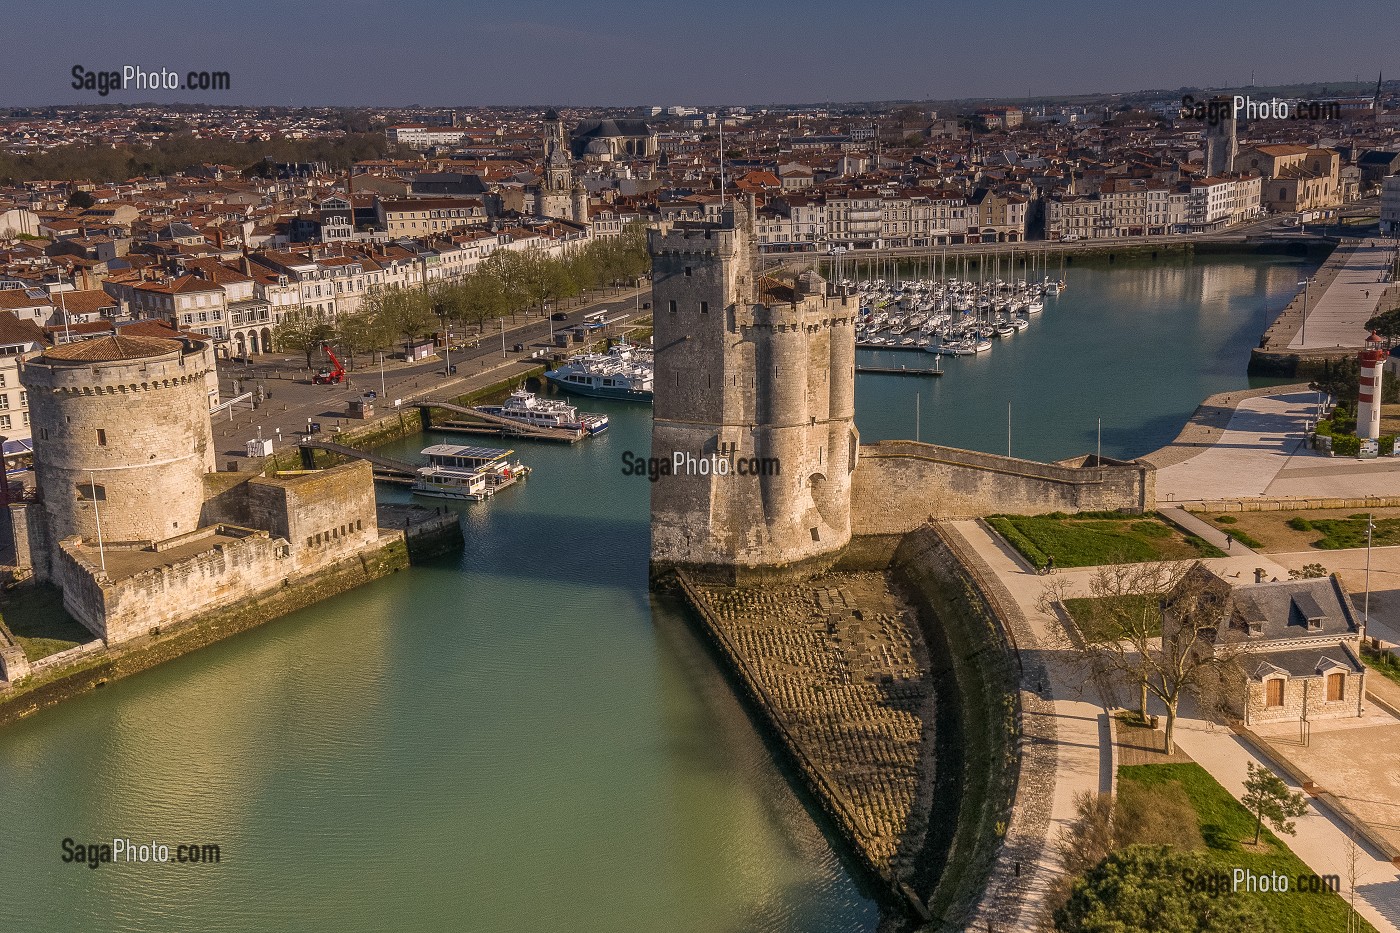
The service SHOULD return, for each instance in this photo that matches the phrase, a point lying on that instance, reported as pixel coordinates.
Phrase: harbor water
(516, 737)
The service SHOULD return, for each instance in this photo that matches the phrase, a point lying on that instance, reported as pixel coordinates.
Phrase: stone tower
(1221, 145)
(754, 409)
(121, 436)
(557, 193)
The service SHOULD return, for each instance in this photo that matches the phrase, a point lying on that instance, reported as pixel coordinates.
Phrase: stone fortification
(759, 374)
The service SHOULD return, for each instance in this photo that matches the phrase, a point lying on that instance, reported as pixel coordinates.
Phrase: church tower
(754, 409)
(555, 193)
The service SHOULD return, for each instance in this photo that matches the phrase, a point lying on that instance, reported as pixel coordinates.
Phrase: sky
(690, 52)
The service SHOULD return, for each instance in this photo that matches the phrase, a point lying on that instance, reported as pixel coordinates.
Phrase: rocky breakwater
(838, 668)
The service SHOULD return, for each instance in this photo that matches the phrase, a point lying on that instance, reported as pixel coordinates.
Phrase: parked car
(519, 348)
(559, 316)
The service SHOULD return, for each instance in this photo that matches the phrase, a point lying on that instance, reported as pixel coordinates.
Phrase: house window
(1336, 687)
(5, 422)
(1275, 691)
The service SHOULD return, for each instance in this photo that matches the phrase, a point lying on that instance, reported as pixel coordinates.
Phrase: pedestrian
(1229, 542)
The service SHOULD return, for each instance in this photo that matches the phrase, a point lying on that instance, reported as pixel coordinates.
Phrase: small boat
(1019, 323)
(1035, 306)
(1004, 330)
(471, 473)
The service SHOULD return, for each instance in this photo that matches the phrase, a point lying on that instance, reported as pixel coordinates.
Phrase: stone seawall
(900, 485)
(836, 672)
(960, 858)
(149, 650)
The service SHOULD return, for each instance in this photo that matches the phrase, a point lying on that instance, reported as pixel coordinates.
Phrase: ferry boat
(473, 473)
(624, 372)
(528, 408)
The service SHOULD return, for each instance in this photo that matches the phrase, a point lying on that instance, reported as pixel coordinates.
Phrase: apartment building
(417, 136)
(415, 217)
(1390, 205)
(19, 340)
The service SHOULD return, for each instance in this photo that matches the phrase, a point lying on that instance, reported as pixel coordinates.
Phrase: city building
(1390, 205)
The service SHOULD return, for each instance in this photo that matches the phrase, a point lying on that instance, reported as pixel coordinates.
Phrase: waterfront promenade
(1338, 308)
(1248, 445)
(1084, 755)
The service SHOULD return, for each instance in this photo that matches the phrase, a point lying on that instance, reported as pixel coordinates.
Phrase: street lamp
(383, 392)
(1366, 606)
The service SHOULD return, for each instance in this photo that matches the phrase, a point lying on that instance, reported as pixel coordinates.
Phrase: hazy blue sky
(699, 51)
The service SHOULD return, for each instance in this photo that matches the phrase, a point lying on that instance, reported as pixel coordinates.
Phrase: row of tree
(179, 151)
(505, 284)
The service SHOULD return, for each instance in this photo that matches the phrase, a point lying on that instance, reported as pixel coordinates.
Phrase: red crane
(333, 376)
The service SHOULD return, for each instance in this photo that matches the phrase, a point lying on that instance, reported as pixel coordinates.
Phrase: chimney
(1259, 574)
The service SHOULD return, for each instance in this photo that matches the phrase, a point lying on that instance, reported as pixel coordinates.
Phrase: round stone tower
(121, 435)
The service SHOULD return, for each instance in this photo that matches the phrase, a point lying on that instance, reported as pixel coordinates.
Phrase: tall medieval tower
(755, 378)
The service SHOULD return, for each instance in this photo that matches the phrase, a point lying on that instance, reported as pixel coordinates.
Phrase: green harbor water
(516, 738)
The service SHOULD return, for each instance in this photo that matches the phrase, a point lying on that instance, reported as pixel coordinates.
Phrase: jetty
(385, 468)
(899, 370)
(1326, 320)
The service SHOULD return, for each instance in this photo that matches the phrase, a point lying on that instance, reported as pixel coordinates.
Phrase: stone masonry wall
(899, 485)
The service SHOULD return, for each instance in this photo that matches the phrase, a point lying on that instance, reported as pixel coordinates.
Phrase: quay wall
(406, 421)
(156, 647)
(899, 485)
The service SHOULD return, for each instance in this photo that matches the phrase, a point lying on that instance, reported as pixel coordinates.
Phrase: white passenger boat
(464, 472)
(528, 408)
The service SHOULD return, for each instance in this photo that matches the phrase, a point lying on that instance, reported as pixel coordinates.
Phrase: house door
(1275, 688)
(1336, 687)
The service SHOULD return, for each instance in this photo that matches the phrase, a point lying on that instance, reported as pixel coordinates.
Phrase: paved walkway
(1261, 452)
(1337, 316)
(1203, 529)
(1322, 842)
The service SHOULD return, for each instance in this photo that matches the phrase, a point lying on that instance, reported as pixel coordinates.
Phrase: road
(292, 401)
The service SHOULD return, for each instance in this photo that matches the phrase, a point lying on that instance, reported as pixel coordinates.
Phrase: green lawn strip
(1224, 824)
(1350, 532)
(1088, 539)
(1094, 625)
(1384, 664)
(36, 618)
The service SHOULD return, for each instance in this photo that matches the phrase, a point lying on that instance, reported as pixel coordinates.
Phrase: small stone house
(1298, 646)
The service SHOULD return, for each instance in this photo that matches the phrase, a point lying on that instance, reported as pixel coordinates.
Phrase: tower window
(92, 492)
(704, 307)
(672, 307)
(687, 271)
(101, 438)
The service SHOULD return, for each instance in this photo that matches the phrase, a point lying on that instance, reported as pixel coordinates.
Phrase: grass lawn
(1384, 664)
(1088, 539)
(1299, 530)
(1224, 824)
(36, 618)
(1096, 625)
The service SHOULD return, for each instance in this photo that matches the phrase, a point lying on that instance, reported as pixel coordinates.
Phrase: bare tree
(1161, 626)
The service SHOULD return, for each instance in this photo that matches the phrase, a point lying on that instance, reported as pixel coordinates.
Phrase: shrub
(1155, 815)
(1346, 445)
(1226, 519)
(1299, 523)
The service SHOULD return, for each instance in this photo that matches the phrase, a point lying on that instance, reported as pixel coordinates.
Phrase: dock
(899, 371)
(887, 346)
(386, 469)
(479, 422)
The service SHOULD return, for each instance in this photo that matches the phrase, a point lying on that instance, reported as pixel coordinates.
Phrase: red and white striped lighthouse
(1368, 408)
